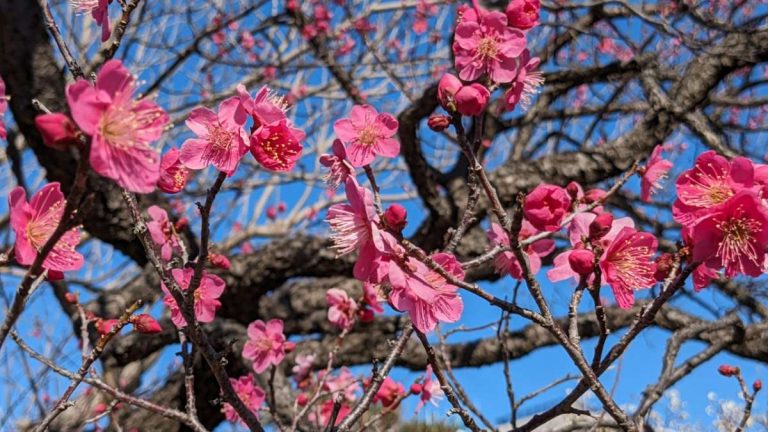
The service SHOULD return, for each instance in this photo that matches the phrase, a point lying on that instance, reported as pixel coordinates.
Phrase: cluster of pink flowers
(721, 205)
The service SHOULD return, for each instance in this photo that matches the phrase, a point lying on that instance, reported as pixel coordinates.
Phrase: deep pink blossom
(628, 264)
(527, 82)
(122, 129)
(35, 221)
(389, 392)
(339, 168)
(396, 217)
(145, 324)
(99, 9)
(173, 174)
(430, 390)
(57, 130)
(523, 14)
(341, 308)
(487, 47)
(206, 296)
(447, 88)
(424, 294)
(655, 170)
(266, 344)
(711, 182)
(221, 140)
(162, 231)
(367, 134)
(322, 416)
(734, 236)
(249, 392)
(545, 207)
(506, 262)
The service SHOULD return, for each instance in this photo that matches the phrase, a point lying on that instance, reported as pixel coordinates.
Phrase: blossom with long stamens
(367, 134)
(526, 84)
(99, 10)
(122, 128)
(735, 235)
(487, 47)
(339, 169)
(35, 221)
(173, 174)
(710, 183)
(221, 140)
(628, 264)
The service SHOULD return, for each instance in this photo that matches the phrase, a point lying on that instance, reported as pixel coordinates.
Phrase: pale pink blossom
(162, 231)
(35, 221)
(99, 9)
(487, 47)
(206, 296)
(221, 140)
(122, 129)
(341, 308)
(655, 170)
(249, 392)
(430, 390)
(424, 294)
(303, 368)
(266, 344)
(368, 134)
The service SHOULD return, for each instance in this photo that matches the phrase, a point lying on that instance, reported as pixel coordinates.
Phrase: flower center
(488, 47)
(368, 136)
(38, 234)
(220, 138)
(736, 242)
(122, 126)
(711, 188)
(632, 265)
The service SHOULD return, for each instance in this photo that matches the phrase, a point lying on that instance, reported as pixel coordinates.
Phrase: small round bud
(600, 226)
(302, 400)
(728, 370)
(582, 261)
(438, 122)
(395, 217)
(289, 347)
(145, 324)
(71, 298)
(757, 385)
(415, 388)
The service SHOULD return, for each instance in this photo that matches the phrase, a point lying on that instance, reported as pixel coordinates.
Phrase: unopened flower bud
(145, 324)
(663, 266)
(438, 122)
(728, 370)
(757, 385)
(582, 261)
(472, 99)
(366, 315)
(218, 260)
(71, 298)
(594, 195)
(600, 226)
(289, 347)
(395, 217)
(574, 190)
(57, 130)
(181, 224)
(446, 91)
(272, 213)
(302, 400)
(104, 326)
(415, 388)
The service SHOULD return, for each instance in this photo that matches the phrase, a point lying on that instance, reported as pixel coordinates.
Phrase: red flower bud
(302, 400)
(57, 130)
(281, 206)
(600, 226)
(446, 91)
(104, 326)
(54, 275)
(71, 298)
(472, 99)
(181, 224)
(99, 408)
(574, 190)
(728, 370)
(757, 385)
(664, 264)
(289, 346)
(366, 315)
(438, 122)
(272, 213)
(395, 217)
(415, 388)
(218, 260)
(144, 323)
(582, 261)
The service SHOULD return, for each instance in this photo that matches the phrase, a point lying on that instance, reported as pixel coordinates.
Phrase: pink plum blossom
(341, 308)
(173, 174)
(545, 207)
(99, 9)
(628, 264)
(487, 47)
(122, 129)
(389, 392)
(162, 231)
(655, 170)
(523, 14)
(424, 294)
(57, 130)
(35, 221)
(266, 344)
(221, 140)
(368, 134)
(506, 262)
(430, 390)
(206, 296)
(472, 99)
(339, 169)
(527, 82)
(249, 392)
